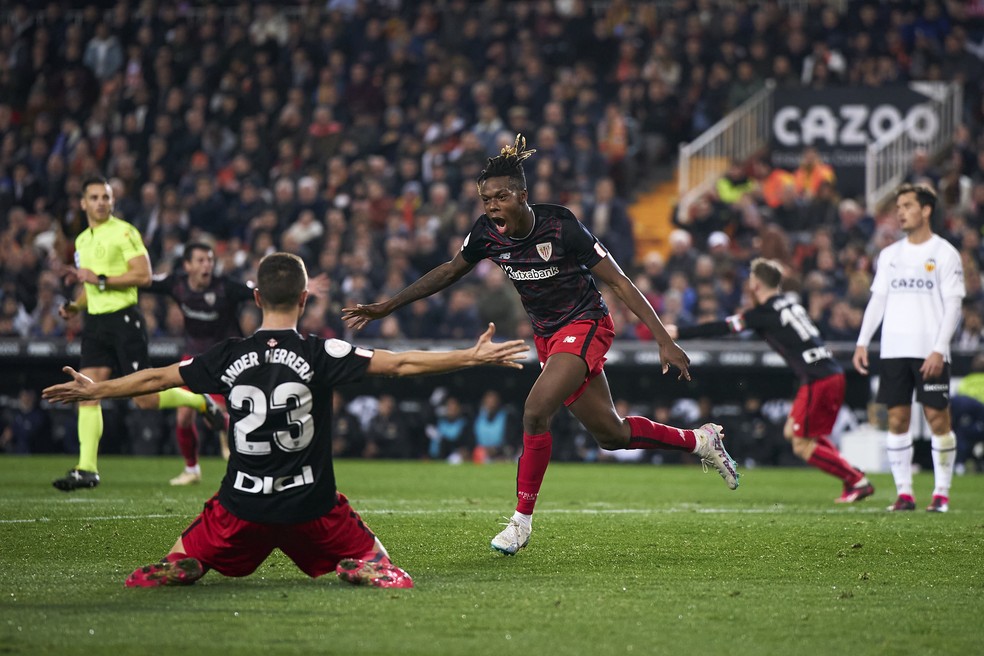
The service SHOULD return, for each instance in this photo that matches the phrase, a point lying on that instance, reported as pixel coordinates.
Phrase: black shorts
(900, 376)
(117, 340)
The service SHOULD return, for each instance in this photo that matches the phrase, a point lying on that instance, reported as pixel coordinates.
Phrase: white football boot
(711, 451)
(512, 538)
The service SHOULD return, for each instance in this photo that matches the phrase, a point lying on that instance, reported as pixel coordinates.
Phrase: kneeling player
(279, 489)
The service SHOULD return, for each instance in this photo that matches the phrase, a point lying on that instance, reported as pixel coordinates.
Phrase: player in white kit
(915, 296)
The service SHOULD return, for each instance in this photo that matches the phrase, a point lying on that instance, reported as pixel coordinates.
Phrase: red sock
(648, 434)
(532, 466)
(828, 458)
(188, 444)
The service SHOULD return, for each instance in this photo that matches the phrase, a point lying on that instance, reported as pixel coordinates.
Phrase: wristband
(102, 283)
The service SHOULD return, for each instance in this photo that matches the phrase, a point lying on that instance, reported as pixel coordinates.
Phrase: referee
(111, 260)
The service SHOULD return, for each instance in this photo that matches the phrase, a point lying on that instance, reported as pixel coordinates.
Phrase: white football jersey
(915, 278)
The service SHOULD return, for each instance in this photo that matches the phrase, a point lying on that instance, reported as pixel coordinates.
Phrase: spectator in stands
(450, 435)
(821, 209)
(745, 85)
(970, 332)
(346, 431)
(25, 428)
(607, 217)
(490, 429)
(811, 172)
(103, 54)
(618, 143)
(682, 257)
(854, 225)
(734, 184)
(921, 169)
(14, 318)
(388, 434)
(790, 214)
(707, 215)
(771, 182)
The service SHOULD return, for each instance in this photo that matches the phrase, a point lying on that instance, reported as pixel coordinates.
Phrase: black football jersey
(278, 387)
(549, 267)
(788, 329)
(210, 315)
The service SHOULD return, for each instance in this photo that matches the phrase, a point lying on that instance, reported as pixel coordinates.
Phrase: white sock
(700, 441)
(524, 520)
(944, 455)
(197, 469)
(900, 459)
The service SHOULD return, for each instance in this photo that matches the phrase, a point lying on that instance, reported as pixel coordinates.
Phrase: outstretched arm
(669, 352)
(431, 282)
(413, 363)
(83, 388)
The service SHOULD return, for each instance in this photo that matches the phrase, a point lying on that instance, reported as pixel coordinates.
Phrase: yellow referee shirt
(105, 250)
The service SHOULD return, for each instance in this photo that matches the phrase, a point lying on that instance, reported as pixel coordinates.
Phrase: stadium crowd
(351, 132)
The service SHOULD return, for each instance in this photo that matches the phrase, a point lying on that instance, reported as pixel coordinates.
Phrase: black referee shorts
(117, 340)
(900, 376)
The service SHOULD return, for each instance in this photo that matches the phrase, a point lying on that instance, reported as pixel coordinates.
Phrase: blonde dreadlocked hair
(509, 163)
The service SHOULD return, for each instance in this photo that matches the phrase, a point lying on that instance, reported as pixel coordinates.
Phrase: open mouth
(500, 224)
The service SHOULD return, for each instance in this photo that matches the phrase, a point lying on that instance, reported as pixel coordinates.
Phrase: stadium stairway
(651, 218)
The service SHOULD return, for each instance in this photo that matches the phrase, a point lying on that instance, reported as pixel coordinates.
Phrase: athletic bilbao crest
(545, 250)
(271, 342)
(930, 265)
(210, 298)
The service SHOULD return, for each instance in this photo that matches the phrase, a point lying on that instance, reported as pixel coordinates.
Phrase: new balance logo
(570, 339)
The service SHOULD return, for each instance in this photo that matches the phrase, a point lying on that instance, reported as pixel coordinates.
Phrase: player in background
(552, 259)
(279, 488)
(111, 261)
(209, 305)
(783, 323)
(915, 297)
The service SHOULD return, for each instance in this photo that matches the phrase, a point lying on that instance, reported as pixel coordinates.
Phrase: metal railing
(739, 135)
(888, 159)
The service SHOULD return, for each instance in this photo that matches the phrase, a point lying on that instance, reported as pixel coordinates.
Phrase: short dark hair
(768, 271)
(509, 163)
(281, 279)
(191, 247)
(925, 196)
(93, 180)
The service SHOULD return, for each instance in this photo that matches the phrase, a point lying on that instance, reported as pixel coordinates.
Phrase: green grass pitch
(624, 559)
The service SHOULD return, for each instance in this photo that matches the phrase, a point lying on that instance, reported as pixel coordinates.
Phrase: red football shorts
(588, 339)
(236, 547)
(816, 406)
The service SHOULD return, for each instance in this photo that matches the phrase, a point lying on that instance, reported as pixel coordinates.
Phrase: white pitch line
(443, 511)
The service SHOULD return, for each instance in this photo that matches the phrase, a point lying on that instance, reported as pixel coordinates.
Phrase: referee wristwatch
(102, 283)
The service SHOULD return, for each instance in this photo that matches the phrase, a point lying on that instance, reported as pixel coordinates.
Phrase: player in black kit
(279, 488)
(788, 329)
(551, 259)
(210, 306)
